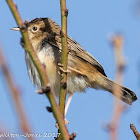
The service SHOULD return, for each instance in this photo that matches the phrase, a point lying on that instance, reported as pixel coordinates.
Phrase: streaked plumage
(85, 69)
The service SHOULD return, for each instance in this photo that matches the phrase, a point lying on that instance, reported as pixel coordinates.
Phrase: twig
(63, 90)
(64, 13)
(136, 133)
(28, 47)
(15, 92)
(117, 42)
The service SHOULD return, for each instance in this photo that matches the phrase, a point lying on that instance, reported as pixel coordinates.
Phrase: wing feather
(74, 48)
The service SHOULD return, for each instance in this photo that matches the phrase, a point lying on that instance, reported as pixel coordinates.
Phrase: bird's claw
(60, 65)
(65, 71)
(66, 122)
(62, 70)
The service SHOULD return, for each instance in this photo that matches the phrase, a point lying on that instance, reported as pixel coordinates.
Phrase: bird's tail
(123, 93)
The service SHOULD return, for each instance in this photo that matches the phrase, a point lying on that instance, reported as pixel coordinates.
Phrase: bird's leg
(66, 109)
(67, 106)
(70, 96)
(68, 103)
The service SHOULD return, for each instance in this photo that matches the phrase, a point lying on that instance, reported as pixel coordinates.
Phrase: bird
(84, 70)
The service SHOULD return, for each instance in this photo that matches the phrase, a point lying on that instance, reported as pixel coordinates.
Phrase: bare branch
(28, 47)
(136, 133)
(63, 90)
(64, 13)
(117, 42)
(15, 92)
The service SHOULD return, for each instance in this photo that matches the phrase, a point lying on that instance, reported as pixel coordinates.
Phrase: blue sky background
(90, 23)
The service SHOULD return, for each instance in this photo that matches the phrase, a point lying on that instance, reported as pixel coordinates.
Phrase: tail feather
(126, 95)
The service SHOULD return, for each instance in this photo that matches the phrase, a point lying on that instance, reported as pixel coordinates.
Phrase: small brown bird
(85, 71)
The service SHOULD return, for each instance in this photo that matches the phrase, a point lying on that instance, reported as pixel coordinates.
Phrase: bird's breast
(47, 57)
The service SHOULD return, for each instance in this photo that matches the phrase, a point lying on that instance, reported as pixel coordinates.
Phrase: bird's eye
(34, 28)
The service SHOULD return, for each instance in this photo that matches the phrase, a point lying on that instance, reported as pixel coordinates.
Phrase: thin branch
(63, 89)
(136, 133)
(117, 42)
(62, 98)
(15, 92)
(28, 47)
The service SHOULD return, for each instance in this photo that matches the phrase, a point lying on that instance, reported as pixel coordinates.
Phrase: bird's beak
(16, 28)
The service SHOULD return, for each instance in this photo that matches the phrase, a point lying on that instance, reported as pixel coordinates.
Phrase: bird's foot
(62, 70)
(66, 122)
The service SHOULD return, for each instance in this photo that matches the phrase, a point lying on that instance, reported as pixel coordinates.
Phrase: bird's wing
(74, 48)
(77, 50)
